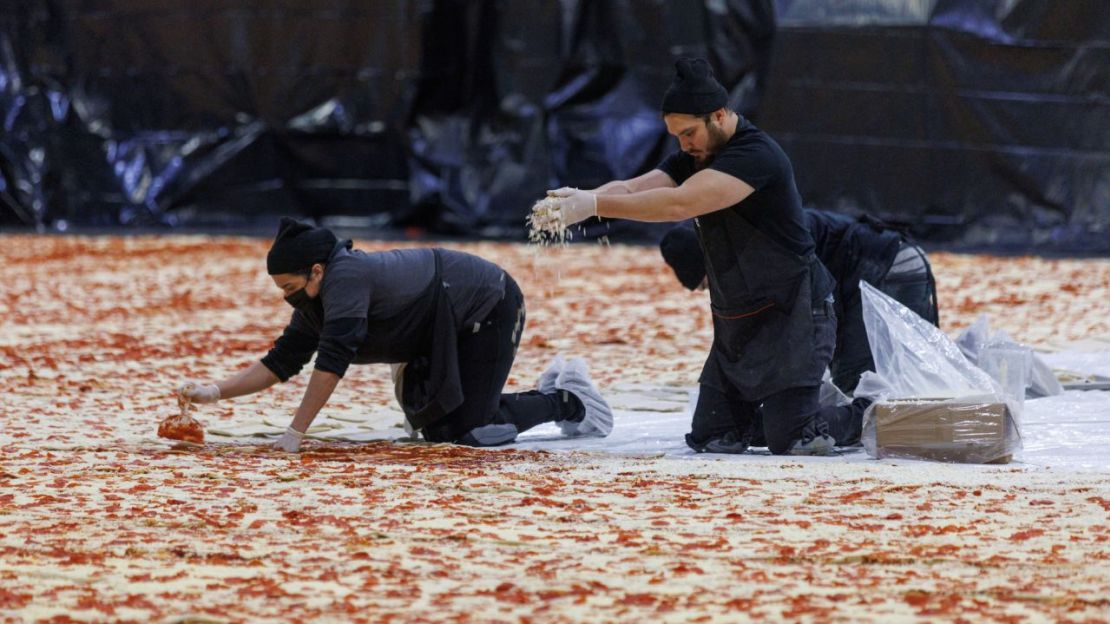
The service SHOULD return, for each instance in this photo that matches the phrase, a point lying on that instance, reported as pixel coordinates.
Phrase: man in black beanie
(771, 298)
(448, 321)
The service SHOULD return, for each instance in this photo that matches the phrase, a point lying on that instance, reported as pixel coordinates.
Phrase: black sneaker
(490, 435)
(730, 443)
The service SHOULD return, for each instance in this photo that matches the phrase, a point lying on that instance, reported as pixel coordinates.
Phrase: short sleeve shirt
(775, 208)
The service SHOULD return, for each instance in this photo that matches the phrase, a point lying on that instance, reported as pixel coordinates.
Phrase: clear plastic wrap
(930, 401)
(977, 341)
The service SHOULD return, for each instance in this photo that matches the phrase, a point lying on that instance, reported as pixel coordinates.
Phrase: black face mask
(300, 300)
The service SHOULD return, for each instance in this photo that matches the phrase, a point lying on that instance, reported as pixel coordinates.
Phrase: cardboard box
(954, 430)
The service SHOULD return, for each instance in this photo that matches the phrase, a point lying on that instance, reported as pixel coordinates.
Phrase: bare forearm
(320, 387)
(251, 379)
(651, 180)
(656, 198)
(663, 204)
(616, 187)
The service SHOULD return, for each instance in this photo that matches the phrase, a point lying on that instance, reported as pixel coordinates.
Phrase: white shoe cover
(546, 384)
(575, 378)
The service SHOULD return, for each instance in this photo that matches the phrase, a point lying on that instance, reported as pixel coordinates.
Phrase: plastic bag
(831, 396)
(977, 337)
(913, 358)
(930, 402)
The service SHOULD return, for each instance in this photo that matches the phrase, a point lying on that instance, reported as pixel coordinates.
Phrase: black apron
(761, 298)
(431, 387)
(406, 335)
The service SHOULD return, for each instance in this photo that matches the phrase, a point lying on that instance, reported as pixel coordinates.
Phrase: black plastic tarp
(982, 123)
(141, 112)
(978, 122)
(452, 116)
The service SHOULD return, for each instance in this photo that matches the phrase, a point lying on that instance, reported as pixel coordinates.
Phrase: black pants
(485, 359)
(853, 351)
(781, 418)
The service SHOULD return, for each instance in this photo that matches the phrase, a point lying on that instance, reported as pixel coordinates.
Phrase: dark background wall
(975, 122)
(979, 121)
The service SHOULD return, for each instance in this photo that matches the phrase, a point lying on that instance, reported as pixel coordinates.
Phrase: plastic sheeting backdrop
(980, 122)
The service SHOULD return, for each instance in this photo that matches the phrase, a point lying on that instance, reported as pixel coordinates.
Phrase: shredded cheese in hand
(545, 223)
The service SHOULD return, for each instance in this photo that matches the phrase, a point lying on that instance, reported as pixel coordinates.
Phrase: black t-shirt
(775, 208)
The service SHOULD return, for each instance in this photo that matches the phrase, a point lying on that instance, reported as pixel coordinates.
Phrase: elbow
(682, 210)
(271, 377)
(278, 370)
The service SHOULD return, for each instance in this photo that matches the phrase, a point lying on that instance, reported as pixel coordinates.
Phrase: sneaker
(490, 435)
(575, 379)
(820, 445)
(730, 443)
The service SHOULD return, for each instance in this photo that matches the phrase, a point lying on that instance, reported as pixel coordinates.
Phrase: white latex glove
(199, 393)
(290, 441)
(572, 206)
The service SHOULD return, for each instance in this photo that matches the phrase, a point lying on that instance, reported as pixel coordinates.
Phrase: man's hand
(290, 441)
(561, 208)
(574, 205)
(199, 393)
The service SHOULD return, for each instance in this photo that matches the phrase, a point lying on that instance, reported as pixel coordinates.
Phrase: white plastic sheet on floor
(1089, 362)
(1069, 432)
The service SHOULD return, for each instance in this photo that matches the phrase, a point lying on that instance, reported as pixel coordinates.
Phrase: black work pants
(780, 419)
(486, 356)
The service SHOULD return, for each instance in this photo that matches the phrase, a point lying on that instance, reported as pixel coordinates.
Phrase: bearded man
(773, 317)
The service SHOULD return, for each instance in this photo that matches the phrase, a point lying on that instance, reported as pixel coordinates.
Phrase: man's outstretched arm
(653, 179)
(704, 192)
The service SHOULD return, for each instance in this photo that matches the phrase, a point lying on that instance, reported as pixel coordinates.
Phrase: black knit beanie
(694, 90)
(682, 252)
(298, 246)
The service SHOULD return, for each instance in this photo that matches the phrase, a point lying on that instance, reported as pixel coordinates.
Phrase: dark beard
(717, 140)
